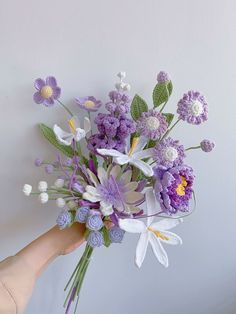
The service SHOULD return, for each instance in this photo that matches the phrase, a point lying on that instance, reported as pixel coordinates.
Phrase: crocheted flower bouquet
(123, 174)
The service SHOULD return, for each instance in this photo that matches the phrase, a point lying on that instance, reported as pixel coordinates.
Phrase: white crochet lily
(133, 157)
(154, 232)
(77, 133)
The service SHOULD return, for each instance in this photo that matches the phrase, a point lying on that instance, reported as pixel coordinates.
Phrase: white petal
(122, 160)
(141, 249)
(92, 177)
(146, 153)
(102, 175)
(62, 136)
(143, 166)
(87, 125)
(173, 238)
(131, 186)
(141, 144)
(90, 197)
(152, 205)
(132, 225)
(158, 250)
(109, 152)
(166, 224)
(126, 176)
(133, 197)
(106, 209)
(92, 190)
(115, 171)
(80, 134)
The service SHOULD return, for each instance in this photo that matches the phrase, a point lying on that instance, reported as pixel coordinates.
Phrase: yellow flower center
(181, 187)
(46, 92)
(72, 125)
(89, 104)
(133, 146)
(159, 234)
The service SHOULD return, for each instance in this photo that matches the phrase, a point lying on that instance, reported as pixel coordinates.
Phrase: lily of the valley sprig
(120, 170)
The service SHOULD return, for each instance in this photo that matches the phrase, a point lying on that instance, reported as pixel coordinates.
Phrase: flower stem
(193, 147)
(65, 107)
(169, 130)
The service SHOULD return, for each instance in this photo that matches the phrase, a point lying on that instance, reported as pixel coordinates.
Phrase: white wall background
(84, 44)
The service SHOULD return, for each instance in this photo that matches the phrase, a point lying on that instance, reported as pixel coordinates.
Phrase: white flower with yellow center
(154, 233)
(133, 157)
(76, 134)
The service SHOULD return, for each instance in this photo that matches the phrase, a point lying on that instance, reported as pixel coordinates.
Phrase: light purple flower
(64, 219)
(193, 108)
(152, 124)
(163, 77)
(82, 214)
(94, 221)
(49, 169)
(95, 239)
(38, 162)
(173, 188)
(169, 153)
(47, 91)
(88, 103)
(116, 234)
(207, 145)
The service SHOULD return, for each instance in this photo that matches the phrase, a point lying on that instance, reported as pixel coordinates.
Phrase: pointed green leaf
(106, 237)
(170, 87)
(138, 106)
(169, 117)
(160, 94)
(50, 136)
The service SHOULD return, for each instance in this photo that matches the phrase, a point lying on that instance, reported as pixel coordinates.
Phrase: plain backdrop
(84, 44)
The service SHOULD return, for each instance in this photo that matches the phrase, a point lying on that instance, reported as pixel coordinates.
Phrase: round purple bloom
(193, 108)
(49, 169)
(127, 127)
(82, 214)
(110, 124)
(47, 91)
(115, 96)
(207, 145)
(169, 153)
(173, 188)
(95, 239)
(94, 222)
(152, 124)
(116, 234)
(64, 219)
(38, 162)
(88, 103)
(163, 77)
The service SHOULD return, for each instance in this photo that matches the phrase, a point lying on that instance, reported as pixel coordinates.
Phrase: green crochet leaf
(169, 117)
(106, 237)
(50, 136)
(138, 106)
(161, 93)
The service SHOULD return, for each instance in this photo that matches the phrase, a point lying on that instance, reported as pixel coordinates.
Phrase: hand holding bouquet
(130, 178)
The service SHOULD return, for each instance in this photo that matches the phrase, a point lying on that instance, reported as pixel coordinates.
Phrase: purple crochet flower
(49, 169)
(207, 145)
(47, 91)
(38, 162)
(82, 214)
(64, 219)
(152, 124)
(169, 153)
(110, 124)
(193, 108)
(88, 103)
(173, 188)
(95, 239)
(163, 77)
(126, 128)
(94, 221)
(116, 234)
(100, 141)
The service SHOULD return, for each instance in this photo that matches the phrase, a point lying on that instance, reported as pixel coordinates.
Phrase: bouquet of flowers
(127, 176)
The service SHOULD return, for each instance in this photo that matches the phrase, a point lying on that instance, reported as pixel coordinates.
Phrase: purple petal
(51, 81)
(39, 83)
(38, 98)
(56, 92)
(48, 102)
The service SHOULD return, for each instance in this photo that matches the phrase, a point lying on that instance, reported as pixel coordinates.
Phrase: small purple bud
(163, 77)
(95, 239)
(49, 169)
(82, 214)
(76, 160)
(68, 162)
(78, 187)
(38, 162)
(116, 234)
(64, 219)
(94, 222)
(207, 146)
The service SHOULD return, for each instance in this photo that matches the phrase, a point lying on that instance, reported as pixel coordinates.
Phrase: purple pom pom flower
(95, 239)
(47, 91)
(169, 153)
(94, 222)
(193, 108)
(163, 77)
(173, 188)
(82, 214)
(207, 145)
(38, 162)
(88, 103)
(152, 124)
(116, 234)
(64, 219)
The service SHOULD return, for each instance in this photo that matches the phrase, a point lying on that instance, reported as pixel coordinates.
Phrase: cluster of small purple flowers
(114, 127)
